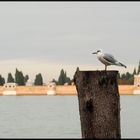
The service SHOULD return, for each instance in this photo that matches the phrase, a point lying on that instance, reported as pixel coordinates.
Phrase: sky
(44, 37)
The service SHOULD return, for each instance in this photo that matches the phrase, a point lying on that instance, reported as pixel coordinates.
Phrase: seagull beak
(94, 53)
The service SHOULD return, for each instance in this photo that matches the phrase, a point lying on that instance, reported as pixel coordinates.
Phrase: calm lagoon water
(57, 117)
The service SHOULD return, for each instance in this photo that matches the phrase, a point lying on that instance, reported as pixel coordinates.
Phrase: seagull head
(98, 51)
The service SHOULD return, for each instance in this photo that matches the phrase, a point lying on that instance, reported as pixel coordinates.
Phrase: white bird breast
(100, 57)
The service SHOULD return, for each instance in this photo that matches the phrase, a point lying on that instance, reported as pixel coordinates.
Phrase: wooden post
(99, 103)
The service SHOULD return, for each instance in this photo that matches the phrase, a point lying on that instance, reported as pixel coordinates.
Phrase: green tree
(2, 81)
(19, 78)
(62, 77)
(127, 75)
(38, 79)
(10, 78)
(134, 72)
(26, 78)
(65, 76)
(123, 77)
(138, 68)
(53, 80)
(68, 80)
(118, 76)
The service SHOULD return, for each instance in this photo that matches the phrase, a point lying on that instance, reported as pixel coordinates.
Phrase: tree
(134, 72)
(10, 78)
(127, 75)
(62, 77)
(38, 79)
(138, 68)
(2, 81)
(123, 76)
(53, 80)
(19, 78)
(26, 78)
(67, 79)
(118, 75)
(128, 78)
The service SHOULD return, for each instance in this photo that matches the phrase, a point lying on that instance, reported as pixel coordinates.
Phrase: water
(57, 117)
(130, 116)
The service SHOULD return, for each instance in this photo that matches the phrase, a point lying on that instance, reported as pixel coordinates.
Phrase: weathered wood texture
(99, 103)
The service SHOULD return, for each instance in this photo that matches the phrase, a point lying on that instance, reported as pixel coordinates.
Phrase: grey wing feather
(109, 58)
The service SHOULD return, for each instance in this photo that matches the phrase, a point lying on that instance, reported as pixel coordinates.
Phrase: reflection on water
(57, 117)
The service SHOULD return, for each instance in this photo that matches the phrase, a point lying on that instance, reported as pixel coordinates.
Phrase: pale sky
(44, 37)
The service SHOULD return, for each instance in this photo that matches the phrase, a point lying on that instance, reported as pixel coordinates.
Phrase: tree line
(21, 79)
(63, 78)
(128, 78)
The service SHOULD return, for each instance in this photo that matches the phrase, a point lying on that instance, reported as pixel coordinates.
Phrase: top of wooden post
(107, 73)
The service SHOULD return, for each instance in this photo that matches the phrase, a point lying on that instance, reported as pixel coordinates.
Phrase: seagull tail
(120, 64)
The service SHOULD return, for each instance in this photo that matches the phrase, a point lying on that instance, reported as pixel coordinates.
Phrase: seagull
(107, 59)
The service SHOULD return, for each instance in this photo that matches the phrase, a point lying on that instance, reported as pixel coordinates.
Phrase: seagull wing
(110, 58)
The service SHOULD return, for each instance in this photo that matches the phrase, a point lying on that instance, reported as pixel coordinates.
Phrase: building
(9, 89)
(137, 80)
(10, 86)
(51, 88)
(29, 83)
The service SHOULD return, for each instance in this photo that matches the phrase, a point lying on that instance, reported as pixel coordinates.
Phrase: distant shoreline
(60, 90)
